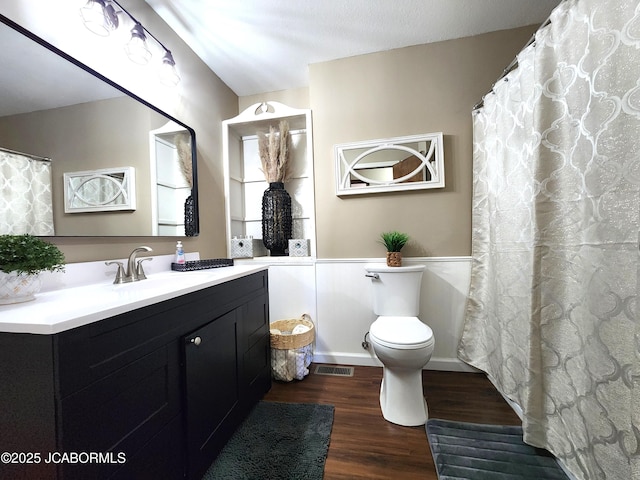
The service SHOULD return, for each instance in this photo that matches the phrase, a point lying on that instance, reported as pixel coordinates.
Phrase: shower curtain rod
(514, 63)
(32, 157)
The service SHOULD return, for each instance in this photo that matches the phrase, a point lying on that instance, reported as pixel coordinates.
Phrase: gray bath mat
(277, 441)
(487, 452)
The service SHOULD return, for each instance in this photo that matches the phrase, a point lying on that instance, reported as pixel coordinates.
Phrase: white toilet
(401, 341)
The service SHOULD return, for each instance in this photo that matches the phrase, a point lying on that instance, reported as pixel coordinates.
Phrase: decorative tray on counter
(192, 265)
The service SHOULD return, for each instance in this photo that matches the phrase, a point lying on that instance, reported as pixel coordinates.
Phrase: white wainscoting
(292, 291)
(337, 296)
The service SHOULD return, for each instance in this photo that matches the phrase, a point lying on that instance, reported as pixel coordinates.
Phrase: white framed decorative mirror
(388, 165)
(102, 190)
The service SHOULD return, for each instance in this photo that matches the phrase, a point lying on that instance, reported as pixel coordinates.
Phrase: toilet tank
(396, 290)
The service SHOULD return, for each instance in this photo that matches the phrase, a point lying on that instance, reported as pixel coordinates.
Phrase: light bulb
(168, 74)
(136, 49)
(99, 17)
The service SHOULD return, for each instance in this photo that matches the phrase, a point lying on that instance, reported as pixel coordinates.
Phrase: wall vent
(337, 371)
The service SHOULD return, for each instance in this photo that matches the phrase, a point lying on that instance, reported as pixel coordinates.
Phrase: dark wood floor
(364, 445)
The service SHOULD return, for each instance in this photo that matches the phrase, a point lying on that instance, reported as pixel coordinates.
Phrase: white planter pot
(16, 288)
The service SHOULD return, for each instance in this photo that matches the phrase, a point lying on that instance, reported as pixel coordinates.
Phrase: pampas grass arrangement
(183, 144)
(274, 152)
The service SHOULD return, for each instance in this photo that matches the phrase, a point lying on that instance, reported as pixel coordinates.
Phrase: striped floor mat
(487, 452)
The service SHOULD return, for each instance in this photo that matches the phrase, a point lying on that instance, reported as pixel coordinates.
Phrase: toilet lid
(401, 332)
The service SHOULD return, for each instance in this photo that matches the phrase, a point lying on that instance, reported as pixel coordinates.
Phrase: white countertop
(59, 310)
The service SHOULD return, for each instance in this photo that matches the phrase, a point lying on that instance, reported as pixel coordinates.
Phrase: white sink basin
(159, 283)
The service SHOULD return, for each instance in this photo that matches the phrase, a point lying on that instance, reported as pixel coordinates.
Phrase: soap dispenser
(179, 253)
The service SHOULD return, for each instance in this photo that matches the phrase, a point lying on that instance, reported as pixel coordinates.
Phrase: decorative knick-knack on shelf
(277, 221)
(393, 242)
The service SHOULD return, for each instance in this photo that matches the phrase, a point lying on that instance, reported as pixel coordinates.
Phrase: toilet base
(401, 397)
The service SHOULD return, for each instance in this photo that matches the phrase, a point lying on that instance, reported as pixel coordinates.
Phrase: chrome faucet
(134, 271)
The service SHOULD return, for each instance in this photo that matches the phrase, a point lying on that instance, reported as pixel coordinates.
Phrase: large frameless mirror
(57, 118)
(388, 165)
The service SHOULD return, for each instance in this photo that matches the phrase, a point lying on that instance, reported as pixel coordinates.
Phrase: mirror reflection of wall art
(103, 190)
(389, 165)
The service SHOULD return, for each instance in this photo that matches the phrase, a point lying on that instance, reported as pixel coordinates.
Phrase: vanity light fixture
(101, 17)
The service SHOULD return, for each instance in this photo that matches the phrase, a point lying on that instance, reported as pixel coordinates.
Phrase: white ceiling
(258, 46)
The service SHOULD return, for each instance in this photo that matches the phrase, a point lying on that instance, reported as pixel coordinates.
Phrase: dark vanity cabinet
(152, 393)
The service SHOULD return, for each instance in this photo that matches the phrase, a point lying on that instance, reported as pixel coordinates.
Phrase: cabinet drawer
(90, 353)
(122, 411)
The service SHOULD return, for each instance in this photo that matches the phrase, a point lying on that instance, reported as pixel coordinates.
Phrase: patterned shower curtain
(25, 195)
(552, 312)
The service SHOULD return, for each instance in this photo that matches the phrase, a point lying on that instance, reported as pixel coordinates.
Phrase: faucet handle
(139, 271)
(119, 273)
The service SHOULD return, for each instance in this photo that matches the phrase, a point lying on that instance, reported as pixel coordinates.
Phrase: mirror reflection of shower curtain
(552, 313)
(25, 195)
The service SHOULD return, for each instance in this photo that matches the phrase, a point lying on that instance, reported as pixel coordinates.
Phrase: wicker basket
(291, 354)
(288, 341)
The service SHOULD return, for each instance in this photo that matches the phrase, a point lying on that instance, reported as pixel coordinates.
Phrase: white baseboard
(365, 360)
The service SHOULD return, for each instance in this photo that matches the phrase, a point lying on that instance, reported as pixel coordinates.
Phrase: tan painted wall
(420, 89)
(201, 101)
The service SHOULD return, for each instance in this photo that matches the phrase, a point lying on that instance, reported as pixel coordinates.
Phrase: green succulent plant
(394, 241)
(29, 254)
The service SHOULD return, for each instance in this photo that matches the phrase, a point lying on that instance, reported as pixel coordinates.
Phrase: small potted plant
(22, 258)
(393, 242)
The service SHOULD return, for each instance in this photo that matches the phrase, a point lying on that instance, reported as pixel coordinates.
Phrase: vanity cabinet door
(160, 459)
(227, 369)
(211, 388)
(118, 414)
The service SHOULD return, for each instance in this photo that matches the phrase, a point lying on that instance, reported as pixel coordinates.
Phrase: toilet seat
(402, 333)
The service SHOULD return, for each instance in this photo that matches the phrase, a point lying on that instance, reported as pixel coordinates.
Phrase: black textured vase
(276, 219)
(189, 217)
